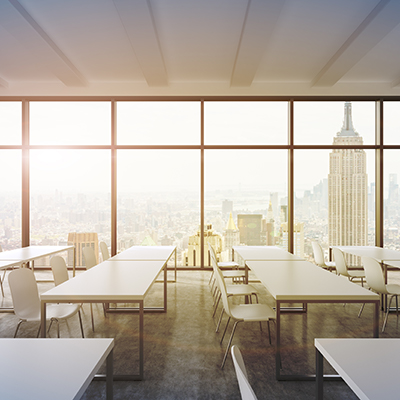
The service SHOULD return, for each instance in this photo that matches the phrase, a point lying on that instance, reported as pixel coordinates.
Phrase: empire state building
(348, 188)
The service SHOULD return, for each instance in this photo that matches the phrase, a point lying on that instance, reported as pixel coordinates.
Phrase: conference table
(112, 281)
(368, 366)
(148, 253)
(293, 280)
(51, 369)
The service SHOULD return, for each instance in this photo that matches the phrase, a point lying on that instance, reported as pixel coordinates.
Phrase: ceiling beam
(380, 21)
(138, 21)
(33, 37)
(258, 25)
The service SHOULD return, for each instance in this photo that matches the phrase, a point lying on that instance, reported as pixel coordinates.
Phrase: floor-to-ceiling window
(239, 163)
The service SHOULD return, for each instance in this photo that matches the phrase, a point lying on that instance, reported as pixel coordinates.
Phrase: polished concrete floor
(183, 353)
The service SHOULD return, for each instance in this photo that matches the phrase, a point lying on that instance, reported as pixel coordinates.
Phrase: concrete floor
(183, 353)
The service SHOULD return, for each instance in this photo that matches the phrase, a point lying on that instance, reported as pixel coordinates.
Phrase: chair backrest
(89, 256)
(104, 251)
(340, 262)
(222, 288)
(1, 249)
(246, 390)
(318, 253)
(24, 293)
(374, 274)
(212, 253)
(60, 270)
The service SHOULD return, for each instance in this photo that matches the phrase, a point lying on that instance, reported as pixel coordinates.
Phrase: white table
(304, 282)
(52, 369)
(147, 253)
(369, 366)
(31, 253)
(111, 281)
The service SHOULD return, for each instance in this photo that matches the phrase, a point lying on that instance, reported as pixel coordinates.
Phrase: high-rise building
(231, 237)
(348, 189)
(251, 233)
(81, 240)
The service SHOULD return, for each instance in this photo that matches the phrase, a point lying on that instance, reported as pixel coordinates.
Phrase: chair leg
(91, 313)
(387, 314)
(226, 327)
(216, 306)
(361, 310)
(1, 282)
(80, 323)
(269, 332)
(229, 344)
(211, 276)
(18, 325)
(219, 321)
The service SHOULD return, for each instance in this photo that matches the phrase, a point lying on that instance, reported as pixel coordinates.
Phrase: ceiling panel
(191, 47)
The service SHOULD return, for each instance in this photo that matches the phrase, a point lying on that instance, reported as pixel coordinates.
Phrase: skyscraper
(348, 188)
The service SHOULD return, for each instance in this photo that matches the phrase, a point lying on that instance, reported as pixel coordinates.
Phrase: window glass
(319, 122)
(391, 199)
(10, 122)
(245, 199)
(251, 122)
(158, 123)
(74, 122)
(391, 122)
(158, 198)
(334, 199)
(10, 199)
(70, 199)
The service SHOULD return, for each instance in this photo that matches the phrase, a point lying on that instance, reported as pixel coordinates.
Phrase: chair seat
(58, 311)
(240, 290)
(233, 274)
(252, 312)
(356, 273)
(330, 264)
(228, 264)
(392, 288)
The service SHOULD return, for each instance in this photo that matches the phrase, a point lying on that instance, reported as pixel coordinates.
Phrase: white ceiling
(199, 47)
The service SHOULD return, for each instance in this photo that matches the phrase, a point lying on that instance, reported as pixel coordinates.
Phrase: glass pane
(77, 123)
(158, 123)
(70, 193)
(391, 122)
(333, 203)
(245, 199)
(320, 122)
(10, 122)
(10, 199)
(391, 199)
(158, 198)
(248, 122)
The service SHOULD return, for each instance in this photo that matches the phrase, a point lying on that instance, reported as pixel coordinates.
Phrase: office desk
(147, 253)
(31, 253)
(304, 282)
(52, 369)
(111, 281)
(368, 366)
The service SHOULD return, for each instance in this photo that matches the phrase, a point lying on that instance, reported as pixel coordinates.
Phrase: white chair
(376, 281)
(235, 274)
(26, 301)
(319, 257)
(104, 251)
(246, 390)
(342, 269)
(231, 290)
(90, 262)
(242, 313)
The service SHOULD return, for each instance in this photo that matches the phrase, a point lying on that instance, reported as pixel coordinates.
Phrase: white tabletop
(369, 366)
(378, 253)
(146, 253)
(49, 369)
(9, 263)
(32, 252)
(264, 253)
(111, 280)
(302, 281)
